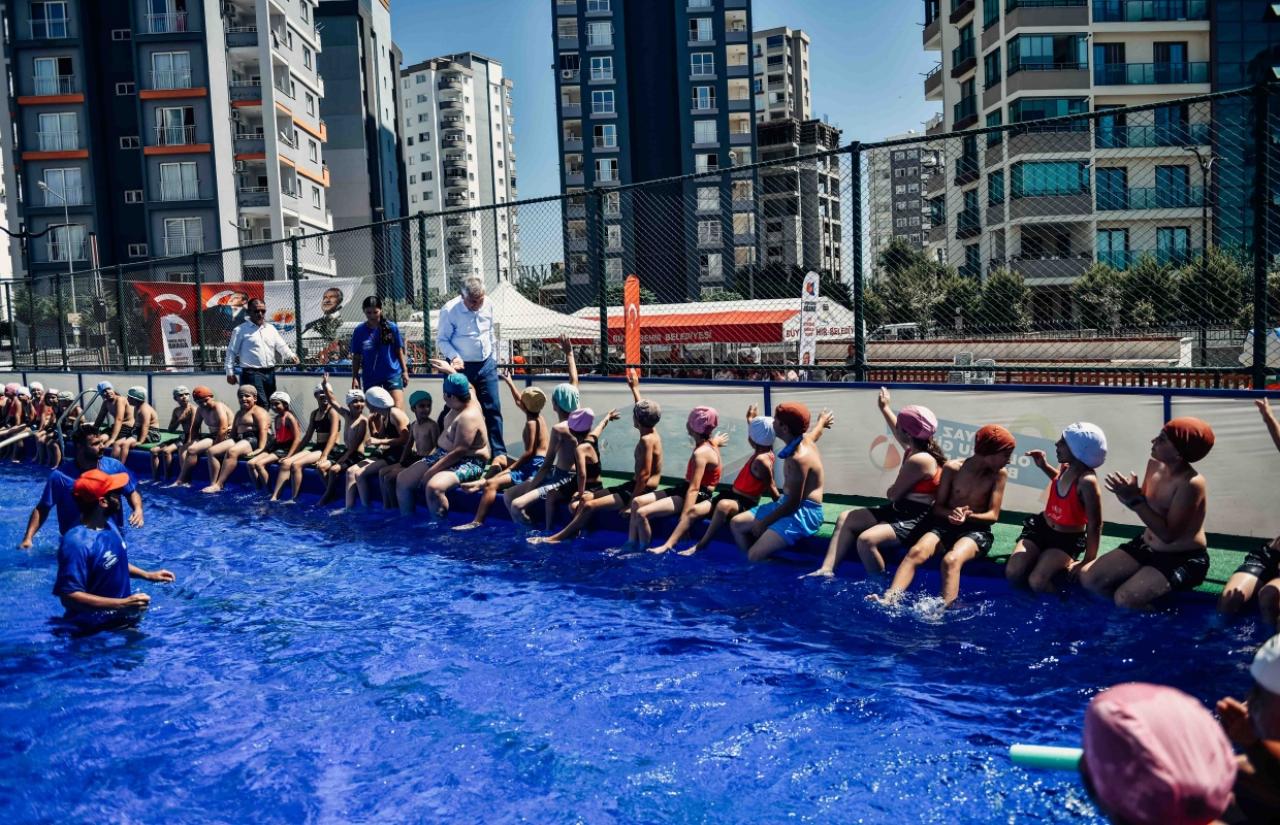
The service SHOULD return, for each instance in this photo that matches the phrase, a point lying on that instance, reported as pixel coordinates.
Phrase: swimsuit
(710, 478)
(801, 524)
(747, 489)
(467, 469)
(555, 480)
(1068, 510)
(528, 470)
(948, 533)
(1183, 569)
(1263, 562)
(1037, 530)
(903, 515)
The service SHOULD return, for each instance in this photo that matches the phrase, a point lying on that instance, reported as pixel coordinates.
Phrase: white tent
(773, 320)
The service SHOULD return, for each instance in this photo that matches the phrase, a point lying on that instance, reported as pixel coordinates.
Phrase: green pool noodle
(1045, 757)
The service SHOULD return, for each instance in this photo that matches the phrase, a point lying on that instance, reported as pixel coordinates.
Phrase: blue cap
(457, 385)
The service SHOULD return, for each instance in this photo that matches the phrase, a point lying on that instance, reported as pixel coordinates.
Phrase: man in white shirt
(467, 341)
(258, 346)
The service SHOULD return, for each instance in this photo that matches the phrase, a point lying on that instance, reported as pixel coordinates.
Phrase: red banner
(631, 308)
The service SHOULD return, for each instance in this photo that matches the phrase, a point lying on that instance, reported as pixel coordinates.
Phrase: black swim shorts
(903, 516)
(682, 490)
(948, 534)
(1263, 562)
(1036, 530)
(1184, 569)
(745, 503)
(621, 494)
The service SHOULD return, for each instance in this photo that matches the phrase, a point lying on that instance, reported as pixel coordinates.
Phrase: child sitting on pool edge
(1071, 524)
(689, 500)
(1262, 565)
(797, 515)
(1172, 553)
(754, 480)
(424, 437)
(462, 452)
(968, 503)
(557, 470)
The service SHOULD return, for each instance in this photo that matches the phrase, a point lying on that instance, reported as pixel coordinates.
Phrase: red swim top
(284, 433)
(925, 486)
(1068, 510)
(710, 475)
(747, 484)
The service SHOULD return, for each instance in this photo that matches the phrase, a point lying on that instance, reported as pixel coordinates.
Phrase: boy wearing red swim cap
(1172, 553)
(968, 502)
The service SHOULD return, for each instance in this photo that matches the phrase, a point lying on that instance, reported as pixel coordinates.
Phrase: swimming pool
(297, 671)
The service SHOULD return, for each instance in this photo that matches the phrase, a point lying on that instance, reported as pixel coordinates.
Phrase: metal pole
(31, 302)
(859, 302)
(13, 330)
(62, 319)
(124, 324)
(1261, 183)
(595, 254)
(427, 343)
(297, 298)
(199, 279)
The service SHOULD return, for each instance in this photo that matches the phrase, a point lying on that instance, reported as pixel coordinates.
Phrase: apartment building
(800, 203)
(1048, 203)
(460, 155)
(363, 114)
(163, 128)
(896, 182)
(649, 91)
(780, 65)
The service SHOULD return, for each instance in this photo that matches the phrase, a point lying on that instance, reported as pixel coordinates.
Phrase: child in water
(970, 494)
(1071, 524)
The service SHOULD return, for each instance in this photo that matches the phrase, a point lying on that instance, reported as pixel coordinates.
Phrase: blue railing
(1149, 74)
(1145, 11)
(1148, 136)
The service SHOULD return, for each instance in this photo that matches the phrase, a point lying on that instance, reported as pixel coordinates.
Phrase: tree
(722, 295)
(1212, 289)
(1148, 291)
(1097, 297)
(613, 295)
(1002, 306)
(959, 300)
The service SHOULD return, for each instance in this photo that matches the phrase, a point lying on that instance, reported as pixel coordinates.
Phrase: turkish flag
(631, 309)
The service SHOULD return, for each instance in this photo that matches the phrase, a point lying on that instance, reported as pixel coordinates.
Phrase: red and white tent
(768, 321)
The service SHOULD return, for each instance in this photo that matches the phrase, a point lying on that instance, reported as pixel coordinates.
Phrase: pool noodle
(1046, 757)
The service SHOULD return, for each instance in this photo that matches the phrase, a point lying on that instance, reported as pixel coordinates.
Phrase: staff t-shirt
(379, 362)
(57, 494)
(94, 562)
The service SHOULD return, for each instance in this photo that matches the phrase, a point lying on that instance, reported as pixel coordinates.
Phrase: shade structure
(519, 319)
(769, 321)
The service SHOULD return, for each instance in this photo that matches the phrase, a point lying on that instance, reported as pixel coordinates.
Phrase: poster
(631, 327)
(809, 319)
(175, 337)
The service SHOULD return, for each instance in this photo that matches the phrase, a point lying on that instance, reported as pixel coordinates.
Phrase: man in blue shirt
(468, 342)
(88, 442)
(93, 566)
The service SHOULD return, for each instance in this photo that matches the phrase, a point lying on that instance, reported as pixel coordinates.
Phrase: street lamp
(24, 237)
(1206, 169)
(66, 218)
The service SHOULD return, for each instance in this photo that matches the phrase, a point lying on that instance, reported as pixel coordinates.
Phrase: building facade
(646, 91)
(780, 64)
(362, 112)
(800, 203)
(897, 180)
(163, 128)
(459, 156)
(1049, 203)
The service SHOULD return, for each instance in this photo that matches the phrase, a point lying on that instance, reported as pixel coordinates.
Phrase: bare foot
(821, 571)
(469, 526)
(290, 501)
(692, 550)
(212, 488)
(472, 486)
(178, 484)
(340, 511)
(889, 597)
(659, 550)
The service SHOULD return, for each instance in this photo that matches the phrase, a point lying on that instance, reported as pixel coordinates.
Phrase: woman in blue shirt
(377, 353)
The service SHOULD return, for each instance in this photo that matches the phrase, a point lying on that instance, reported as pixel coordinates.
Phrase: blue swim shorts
(803, 523)
(528, 471)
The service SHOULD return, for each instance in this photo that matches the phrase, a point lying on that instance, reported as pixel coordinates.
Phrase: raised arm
(598, 430)
(820, 425)
(633, 382)
(505, 375)
(333, 400)
(1273, 426)
(1038, 456)
(890, 417)
(570, 359)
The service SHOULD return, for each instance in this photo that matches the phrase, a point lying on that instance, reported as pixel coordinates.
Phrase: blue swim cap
(419, 395)
(565, 398)
(457, 385)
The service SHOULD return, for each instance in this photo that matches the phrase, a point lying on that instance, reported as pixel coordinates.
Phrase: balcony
(250, 142)
(1124, 258)
(63, 251)
(53, 196)
(1150, 74)
(1037, 77)
(170, 23)
(451, 106)
(58, 141)
(182, 192)
(50, 29)
(968, 224)
(933, 84)
(456, 181)
(246, 89)
(251, 196)
(966, 171)
(458, 240)
(937, 233)
(1040, 13)
(63, 84)
(1039, 142)
(1143, 198)
(960, 9)
(449, 84)
(1149, 11)
(239, 37)
(171, 79)
(1065, 202)
(964, 113)
(175, 135)
(1151, 136)
(932, 36)
(175, 245)
(452, 124)
(963, 59)
(454, 201)
(1047, 267)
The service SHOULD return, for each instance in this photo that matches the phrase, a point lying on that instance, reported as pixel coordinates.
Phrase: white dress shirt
(465, 334)
(258, 347)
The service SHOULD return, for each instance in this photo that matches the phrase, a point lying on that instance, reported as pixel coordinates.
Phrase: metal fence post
(199, 279)
(13, 329)
(1261, 245)
(427, 343)
(62, 318)
(124, 324)
(859, 299)
(297, 299)
(595, 258)
(31, 316)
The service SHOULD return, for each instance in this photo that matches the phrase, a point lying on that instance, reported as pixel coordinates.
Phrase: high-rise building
(362, 112)
(651, 90)
(895, 194)
(166, 128)
(781, 74)
(800, 202)
(460, 154)
(1026, 200)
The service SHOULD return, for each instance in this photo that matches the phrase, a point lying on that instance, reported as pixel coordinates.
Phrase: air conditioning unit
(568, 74)
(241, 166)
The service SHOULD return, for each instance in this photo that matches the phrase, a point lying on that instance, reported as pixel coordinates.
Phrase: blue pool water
(300, 671)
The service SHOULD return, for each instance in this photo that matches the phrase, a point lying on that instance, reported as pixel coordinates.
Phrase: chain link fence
(1121, 246)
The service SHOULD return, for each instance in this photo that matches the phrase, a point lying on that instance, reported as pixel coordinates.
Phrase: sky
(866, 64)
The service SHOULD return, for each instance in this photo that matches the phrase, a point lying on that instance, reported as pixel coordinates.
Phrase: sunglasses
(256, 310)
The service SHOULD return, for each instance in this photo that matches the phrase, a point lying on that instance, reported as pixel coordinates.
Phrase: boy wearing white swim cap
(355, 418)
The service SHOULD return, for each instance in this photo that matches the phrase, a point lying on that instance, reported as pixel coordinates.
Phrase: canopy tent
(768, 321)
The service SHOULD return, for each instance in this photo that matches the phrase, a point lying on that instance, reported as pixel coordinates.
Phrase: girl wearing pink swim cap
(690, 500)
(910, 496)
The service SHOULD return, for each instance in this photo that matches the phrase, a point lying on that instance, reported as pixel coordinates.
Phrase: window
(1113, 187)
(67, 243)
(704, 132)
(708, 199)
(601, 68)
(133, 196)
(710, 266)
(995, 188)
(704, 98)
(1048, 52)
(1173, 187)
(600, 33)
(313, 151)
(605, 135)
(125, 89)
(59, 131)
(742, 190)
(175, 126)
(311, 103)
(991, 69)
(597, 5)
(421, 78)
(1113, 248)
(49, 20)
(62, 185)
(613, 236)
(121, 34)
(1173, 244)
(993, 119)
(613, 269)
(744, 223)
(990, 13)
(178, 181)
(1045, 178)
(53, 76)
(700, 30)
(612, 205)
(602, 102)
(171, 70)
(131, 142)
(707, 162)
(315, 196)
(138, 250)
(703, 64)
(708, 232)
(183, 236)
(606, 170)
(1038, 108)
(306, 57)
(304, 11)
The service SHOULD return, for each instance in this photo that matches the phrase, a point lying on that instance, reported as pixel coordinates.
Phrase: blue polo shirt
(57, 493)
(379, 362)
(93, 562)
